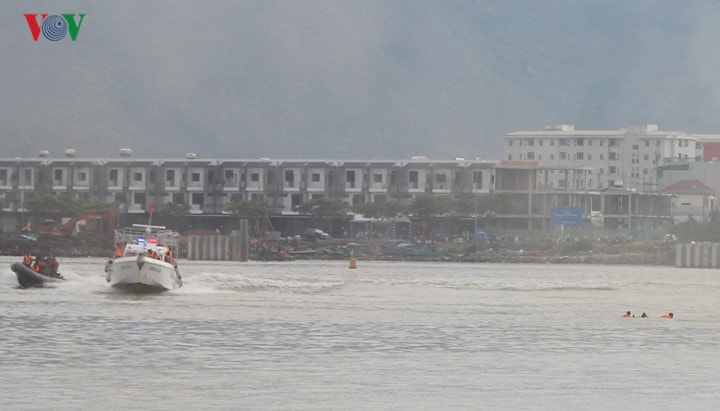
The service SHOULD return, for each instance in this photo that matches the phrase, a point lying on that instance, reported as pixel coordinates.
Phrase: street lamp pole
(476, 213)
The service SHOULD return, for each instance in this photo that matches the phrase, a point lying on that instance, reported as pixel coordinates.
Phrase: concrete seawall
(217, 247)
(698, 255)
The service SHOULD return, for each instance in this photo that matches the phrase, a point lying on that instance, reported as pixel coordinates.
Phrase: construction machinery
(96, 221)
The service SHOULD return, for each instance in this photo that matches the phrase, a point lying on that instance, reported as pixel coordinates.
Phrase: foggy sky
(386, 79)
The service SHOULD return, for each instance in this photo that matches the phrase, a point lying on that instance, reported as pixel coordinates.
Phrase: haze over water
(317, 335)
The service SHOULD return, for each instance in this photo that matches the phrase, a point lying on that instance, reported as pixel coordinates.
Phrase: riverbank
(578, 252)
(662, 254)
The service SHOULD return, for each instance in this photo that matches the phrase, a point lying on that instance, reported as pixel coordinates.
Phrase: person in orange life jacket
(169, 256)
(118, 252)
(39, 263)
(27, 259)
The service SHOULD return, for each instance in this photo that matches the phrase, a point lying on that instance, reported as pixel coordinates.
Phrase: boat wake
(221, 282)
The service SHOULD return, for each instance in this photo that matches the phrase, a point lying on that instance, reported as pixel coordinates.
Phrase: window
(589, 156)
(564, 142)
(635, 147)
(579, 142)
(358, 199)
(510, 143)
(478, 179)
(441, 178)
(170, 176)
(197, 199)
(315, 177)
(510, 157)
(139, 199)
(137, 176)
(82, 176)
(530, 142)
(255, 177)
(646, 157)
(113, 177)
(58, 176)
(350, 178)
(413, 177)
(563, 156)
(579, 155)
(378, 178)
(229, 174)
(612, 170)
(289, 178)
(195, 177)
(531, 155)
(178, 198)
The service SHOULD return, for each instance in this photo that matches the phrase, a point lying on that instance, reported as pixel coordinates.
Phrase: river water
(387, 335)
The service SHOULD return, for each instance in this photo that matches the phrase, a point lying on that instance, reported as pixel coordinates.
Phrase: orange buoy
(353, 260)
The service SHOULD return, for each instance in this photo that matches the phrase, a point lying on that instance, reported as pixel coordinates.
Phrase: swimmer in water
(668, 315)
(627, 315)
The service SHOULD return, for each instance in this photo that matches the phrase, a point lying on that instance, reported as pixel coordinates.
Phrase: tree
(385, 209)
(427, 206)
(63, 204)
(324, 207)
(175, 214)
(252, 210)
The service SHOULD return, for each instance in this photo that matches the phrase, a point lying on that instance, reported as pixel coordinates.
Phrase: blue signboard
(567, 217)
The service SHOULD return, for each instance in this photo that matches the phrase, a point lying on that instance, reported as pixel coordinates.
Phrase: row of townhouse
(627, 157)
(207, 186)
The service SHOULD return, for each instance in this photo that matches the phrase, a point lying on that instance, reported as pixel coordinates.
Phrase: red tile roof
(688, 186)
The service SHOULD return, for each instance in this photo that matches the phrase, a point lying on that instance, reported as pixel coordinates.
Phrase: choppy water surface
(317, 335)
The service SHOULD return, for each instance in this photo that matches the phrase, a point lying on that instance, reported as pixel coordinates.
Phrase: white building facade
(625, 158)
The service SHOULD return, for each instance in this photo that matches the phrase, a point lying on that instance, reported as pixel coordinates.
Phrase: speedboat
(46, 273)
(145, 263)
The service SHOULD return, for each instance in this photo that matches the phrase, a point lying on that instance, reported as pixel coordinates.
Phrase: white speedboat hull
(143, 274)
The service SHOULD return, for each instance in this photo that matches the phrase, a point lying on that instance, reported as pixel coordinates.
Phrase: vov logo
(54, 28)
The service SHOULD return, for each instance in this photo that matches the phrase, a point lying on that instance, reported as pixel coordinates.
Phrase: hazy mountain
(347, 79)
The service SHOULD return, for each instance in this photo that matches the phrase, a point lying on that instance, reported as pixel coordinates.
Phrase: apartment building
(624, 158)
